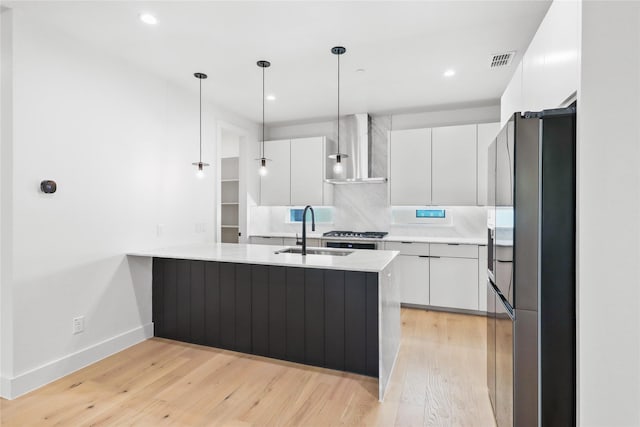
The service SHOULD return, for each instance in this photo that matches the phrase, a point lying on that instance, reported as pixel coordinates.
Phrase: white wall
(6, 191)
(119, 142)
(547, 75)
(608, 215)
(442, 117)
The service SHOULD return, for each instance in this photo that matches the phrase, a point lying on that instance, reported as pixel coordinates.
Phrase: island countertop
(359, 260)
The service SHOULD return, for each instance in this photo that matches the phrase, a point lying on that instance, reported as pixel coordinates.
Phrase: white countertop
(387, 238)
(359, 260)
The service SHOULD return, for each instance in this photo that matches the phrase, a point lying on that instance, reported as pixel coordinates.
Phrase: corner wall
(119, 142)
(609, 215)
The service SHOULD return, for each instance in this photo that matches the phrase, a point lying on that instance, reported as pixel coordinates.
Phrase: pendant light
(199, 164)
(337, 168)
(263, 160)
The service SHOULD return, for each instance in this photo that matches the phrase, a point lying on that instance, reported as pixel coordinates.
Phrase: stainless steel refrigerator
(531, 332)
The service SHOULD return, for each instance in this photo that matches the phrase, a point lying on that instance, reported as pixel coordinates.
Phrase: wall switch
(159, 230)
(78, 325)
(200, 227)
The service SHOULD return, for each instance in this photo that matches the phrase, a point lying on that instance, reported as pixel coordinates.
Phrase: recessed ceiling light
(449, 73)
(148, 18)
(270, 97)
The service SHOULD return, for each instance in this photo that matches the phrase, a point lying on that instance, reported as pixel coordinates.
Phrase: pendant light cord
(338, 104)
(263, 112)
(200, 120)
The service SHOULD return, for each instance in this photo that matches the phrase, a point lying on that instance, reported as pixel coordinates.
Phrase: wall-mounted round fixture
(199, 164)
(338, 156)
(449, 73)
(148, 19)
(263, 160)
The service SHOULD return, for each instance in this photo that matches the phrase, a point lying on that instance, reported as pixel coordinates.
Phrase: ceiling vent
(501, 59)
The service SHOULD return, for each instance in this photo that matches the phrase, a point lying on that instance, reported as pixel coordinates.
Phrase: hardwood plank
(439, 380)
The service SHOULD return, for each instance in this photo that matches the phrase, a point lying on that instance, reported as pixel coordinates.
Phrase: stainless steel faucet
(304, 227)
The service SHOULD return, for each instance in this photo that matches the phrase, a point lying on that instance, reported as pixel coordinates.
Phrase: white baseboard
(5, 387)
(49, 372)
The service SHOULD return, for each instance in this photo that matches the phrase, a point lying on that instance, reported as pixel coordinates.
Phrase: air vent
(501, 59)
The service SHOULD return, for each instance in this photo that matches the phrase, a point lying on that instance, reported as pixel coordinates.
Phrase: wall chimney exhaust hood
(356, 140)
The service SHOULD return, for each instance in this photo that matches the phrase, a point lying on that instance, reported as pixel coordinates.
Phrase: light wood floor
(439, 379)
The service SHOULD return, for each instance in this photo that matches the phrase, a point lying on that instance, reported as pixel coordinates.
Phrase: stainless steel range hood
(355, 141)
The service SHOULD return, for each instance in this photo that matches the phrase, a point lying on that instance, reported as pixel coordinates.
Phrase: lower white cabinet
(412, 273)
(291, 241)
(266, 240)
(482, 278)
(453, 282)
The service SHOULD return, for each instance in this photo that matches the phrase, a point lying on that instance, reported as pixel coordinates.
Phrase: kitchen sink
(315, 251)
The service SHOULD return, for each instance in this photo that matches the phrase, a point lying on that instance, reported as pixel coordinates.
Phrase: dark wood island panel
(318, 317)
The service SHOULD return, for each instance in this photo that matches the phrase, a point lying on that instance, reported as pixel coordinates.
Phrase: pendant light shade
(263, 160)
(199, 164)
(338, 156)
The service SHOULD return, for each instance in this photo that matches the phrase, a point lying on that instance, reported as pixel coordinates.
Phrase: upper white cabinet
(487, 133)
(410, 167)
(275, 185)
(307, 171)
(296, 173)
(453, 165)
(440, 166)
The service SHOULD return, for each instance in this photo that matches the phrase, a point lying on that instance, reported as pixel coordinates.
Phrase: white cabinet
(307, 171)
(410, 167)
(453, 165)
(440, 166)
(265, 240)
(291, 241)
(275, 186)
(412, 273)
(295, 173)
(482, 278)
(487, 133)
(504, 167)
(453, 283)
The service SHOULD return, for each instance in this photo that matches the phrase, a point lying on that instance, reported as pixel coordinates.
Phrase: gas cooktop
(357, 234)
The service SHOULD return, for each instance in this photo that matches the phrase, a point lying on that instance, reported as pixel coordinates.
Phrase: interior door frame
(243, 137)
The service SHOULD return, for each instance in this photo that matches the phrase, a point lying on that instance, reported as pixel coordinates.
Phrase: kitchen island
(337, 312)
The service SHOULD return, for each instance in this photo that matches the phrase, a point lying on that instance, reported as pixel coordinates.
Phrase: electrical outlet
(78, 325)
(200, 227)
(159, 230)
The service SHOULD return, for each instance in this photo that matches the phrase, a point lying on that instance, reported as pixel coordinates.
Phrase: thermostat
(48, 186)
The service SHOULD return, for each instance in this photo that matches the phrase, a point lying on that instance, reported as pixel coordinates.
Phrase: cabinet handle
(453, 244)
(434, 256)
(501, 260)
(406, 243)
(423, 256)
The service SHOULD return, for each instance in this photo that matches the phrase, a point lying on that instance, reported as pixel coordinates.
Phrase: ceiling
(404, 48)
